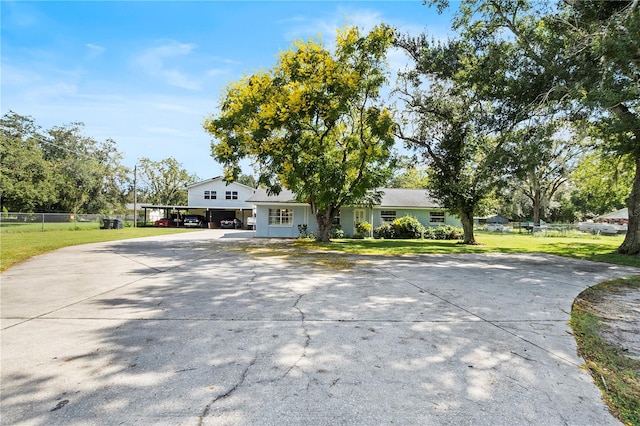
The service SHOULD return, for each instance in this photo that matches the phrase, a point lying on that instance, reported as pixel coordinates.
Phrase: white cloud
(304, 27)
(94, 50)
(154, 62)
(95, 47)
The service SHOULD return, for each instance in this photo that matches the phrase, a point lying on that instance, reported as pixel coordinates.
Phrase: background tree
(59, 169)
(601, 183)
(248, 180)
(164, 182)
(451, 116)
(579, 53)
(313, 123)
(87, 173)
(545, 154)
(409, 174)
(25, 178)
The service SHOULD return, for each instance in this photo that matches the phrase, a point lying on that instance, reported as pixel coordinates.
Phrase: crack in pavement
(307, 341)
(243, 377)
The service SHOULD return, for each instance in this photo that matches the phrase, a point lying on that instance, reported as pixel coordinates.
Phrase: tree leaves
(313, 123)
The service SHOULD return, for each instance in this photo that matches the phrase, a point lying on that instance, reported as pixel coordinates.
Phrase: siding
(302, 215)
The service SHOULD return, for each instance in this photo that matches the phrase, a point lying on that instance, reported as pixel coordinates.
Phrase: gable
(218, 183)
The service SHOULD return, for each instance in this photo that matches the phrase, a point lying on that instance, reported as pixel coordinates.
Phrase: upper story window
(388, 215)
(210, 195)
(231, 195)
(436, 217)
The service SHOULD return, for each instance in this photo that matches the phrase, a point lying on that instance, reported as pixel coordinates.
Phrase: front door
(359, 216)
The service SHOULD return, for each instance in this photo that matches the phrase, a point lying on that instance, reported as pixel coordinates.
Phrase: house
(490, 220)
(279, 215)
(619, 217)
(216, 199)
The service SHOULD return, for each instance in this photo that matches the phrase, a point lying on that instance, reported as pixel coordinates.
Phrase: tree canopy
(580, 58)
(164, 182)
(314, 123)
(59, 169)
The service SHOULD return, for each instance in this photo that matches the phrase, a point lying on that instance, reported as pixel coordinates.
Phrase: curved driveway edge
(216, 328)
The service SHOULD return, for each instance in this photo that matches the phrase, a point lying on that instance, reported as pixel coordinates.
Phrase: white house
(216, 200)
(280, 215)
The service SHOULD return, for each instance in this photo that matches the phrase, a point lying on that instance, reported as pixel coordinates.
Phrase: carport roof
(162, 207)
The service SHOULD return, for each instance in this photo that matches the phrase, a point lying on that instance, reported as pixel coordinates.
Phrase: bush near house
(384, 231)
(409, 228)
(446, 232)
(363, 229)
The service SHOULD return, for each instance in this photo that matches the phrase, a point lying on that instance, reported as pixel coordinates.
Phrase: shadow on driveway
(192, 329)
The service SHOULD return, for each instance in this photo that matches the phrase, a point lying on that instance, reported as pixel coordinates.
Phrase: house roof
(214, 179)
(392, 197)
(398, 197)
(618, 214)
(261, 196)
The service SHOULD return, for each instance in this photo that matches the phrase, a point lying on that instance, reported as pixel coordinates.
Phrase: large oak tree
(584, 58)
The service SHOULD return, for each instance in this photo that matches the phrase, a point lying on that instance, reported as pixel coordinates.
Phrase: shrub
(445, 232)
(303, 230)
(336, 232)
(384, 231)
(363, 230)
(407, 228)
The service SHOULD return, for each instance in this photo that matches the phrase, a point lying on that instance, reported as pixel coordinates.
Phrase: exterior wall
(196, 195)
(423, 216)
(301, 215)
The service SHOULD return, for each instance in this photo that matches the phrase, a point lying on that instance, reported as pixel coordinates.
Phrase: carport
(213, 215)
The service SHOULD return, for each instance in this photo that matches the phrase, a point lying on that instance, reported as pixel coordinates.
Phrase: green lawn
(581, 246)
(16, 247)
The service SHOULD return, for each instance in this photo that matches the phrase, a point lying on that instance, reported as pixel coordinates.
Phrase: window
(209, 195)
(231, 195)
(213, 195)
(336, 219)
(436, 217)
(206, 195)
(388, 215)
(280, 217)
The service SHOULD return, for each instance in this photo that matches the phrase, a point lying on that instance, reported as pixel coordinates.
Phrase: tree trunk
(467, 226)
(537, 207)
(631, 243)
(324, 220)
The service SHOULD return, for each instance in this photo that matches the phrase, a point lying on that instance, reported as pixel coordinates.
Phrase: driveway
(217, 328)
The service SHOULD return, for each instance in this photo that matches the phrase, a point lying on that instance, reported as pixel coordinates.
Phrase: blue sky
(147, 73)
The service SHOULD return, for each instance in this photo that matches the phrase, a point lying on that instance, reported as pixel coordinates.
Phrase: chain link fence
(40, 222)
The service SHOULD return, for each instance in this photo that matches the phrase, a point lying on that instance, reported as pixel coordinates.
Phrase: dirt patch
(619, 312)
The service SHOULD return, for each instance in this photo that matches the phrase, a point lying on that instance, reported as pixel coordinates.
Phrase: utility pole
(135, 196)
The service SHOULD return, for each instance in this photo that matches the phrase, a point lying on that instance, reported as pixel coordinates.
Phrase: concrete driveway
(215, 328)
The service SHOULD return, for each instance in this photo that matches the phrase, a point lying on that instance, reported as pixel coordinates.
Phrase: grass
(16, 247)
(617, 374)
(581, 246)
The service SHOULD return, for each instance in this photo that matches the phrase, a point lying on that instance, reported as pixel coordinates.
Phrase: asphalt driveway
(215, 328)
